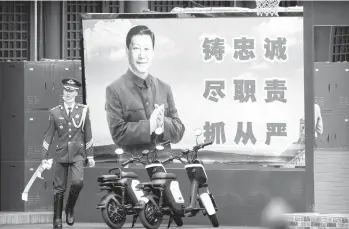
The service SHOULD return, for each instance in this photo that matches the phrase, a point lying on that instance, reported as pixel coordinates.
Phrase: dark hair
(139, 30)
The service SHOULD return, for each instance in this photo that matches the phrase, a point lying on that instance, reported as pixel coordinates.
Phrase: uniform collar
(137, 80)
(66, 106)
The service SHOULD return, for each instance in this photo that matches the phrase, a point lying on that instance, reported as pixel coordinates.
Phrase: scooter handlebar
(167, 160)
(127, 162)
(207, 144)
(165, 142)
(185, 152)
(200, 146)
(132, 159)
(171, 158)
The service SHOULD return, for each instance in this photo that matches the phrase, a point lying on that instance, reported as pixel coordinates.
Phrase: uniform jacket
(130, 102)
(74, 141)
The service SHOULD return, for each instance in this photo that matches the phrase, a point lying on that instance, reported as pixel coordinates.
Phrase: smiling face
(140, 54)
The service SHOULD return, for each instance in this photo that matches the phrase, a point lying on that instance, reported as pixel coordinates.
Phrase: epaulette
(59, 106)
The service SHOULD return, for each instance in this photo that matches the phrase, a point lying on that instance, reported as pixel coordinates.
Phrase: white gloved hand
(46, 164)
(91, 162)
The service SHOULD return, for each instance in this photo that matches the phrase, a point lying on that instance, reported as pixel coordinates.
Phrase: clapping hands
(157, 118)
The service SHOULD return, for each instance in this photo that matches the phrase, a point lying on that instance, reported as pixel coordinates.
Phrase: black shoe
(57, 223)
(69, 209)
(57, 211)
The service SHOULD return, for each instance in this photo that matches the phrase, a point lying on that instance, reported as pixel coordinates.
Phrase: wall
(331, 13)
(322, 37)
(331, 167)
(30, 89)
(1, 97)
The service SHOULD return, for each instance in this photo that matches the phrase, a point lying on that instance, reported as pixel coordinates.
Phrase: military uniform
(74, 134)
(74, 146)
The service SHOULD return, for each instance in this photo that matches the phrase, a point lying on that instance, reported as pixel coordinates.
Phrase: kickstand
(170, 221)
(134, 220)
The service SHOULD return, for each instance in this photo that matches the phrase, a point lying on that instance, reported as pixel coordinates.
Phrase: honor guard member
(74, 149)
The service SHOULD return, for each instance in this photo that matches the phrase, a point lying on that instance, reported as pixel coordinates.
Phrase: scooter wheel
(113, 214)
(150, 216)
(214, 220)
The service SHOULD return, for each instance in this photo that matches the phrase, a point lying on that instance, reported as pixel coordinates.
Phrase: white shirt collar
(66, 107)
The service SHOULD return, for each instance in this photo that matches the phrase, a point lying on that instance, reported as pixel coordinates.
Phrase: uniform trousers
(61, 177)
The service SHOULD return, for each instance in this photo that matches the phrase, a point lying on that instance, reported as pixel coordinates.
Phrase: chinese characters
(245, 90)
(244, 49)
(213, 88)
(216, 132)
(213, 49)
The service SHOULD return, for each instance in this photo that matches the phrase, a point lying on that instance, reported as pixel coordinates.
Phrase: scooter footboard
(144, 200)
(207, 203)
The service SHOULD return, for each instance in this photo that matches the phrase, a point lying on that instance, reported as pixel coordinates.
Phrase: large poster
(240, 79)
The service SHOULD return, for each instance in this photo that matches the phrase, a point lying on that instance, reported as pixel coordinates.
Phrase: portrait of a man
(137, 103)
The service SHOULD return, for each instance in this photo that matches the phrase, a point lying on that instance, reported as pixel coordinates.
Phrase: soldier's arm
(123, 132)
(49, 134)
(173, 127)
(88, 134)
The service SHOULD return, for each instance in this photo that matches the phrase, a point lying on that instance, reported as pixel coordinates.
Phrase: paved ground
(104, 226)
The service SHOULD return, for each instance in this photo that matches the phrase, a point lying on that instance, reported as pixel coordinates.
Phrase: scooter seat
(116, 177)
(108, 178)
(128, 175)
(162, 175)
(148, 184)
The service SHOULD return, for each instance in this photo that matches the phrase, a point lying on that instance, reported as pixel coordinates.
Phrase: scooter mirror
(160, 147)
(198, 132)
(158, 131)
(145, 152)
(119, 151)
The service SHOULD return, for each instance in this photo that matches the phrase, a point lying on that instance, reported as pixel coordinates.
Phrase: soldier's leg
(77, 169)
(59, 187)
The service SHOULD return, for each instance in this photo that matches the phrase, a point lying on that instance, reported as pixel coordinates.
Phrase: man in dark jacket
(74, 147)
(138, 103)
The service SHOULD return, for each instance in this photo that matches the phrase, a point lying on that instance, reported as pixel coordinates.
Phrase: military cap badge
(71, 84)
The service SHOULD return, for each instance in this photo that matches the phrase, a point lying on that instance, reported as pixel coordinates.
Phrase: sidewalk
(104, 226)
(316, 220)
(296, 221)
(10, 218)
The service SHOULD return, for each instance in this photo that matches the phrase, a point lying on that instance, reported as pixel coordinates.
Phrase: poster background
(178, 60)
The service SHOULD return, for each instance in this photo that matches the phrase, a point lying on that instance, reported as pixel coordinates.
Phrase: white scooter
(162, 196)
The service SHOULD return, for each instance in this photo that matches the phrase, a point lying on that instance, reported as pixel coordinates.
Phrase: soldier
(74, 149)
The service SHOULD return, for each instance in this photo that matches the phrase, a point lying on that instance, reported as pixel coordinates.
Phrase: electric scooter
(162, 196)
(121, 197)
(153, 166)
(122, 194)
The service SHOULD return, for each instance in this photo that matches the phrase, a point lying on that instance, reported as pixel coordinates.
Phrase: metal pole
(308, 17)
(35, 30)
(135, 6)
(52, 29)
